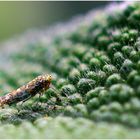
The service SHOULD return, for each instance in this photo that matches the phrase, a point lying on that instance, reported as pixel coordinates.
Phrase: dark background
(17, 17)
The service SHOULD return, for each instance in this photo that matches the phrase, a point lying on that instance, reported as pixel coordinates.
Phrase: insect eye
(49, 78)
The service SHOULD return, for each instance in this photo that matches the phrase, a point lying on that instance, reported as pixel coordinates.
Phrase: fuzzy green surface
(96, 78)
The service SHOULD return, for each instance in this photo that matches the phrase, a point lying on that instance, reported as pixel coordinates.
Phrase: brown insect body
(38, 85)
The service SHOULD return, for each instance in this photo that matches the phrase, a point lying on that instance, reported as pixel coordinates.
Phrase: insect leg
(22, 102)
(38, 99)
(26, 99)
(40, 94)
(57, 92)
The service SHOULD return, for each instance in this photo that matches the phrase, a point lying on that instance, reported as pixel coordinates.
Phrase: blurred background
(17, 17)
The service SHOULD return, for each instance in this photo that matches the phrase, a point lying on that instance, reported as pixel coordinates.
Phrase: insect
(36, 86)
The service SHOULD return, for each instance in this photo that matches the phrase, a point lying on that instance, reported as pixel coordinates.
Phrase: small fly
(36, 86)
